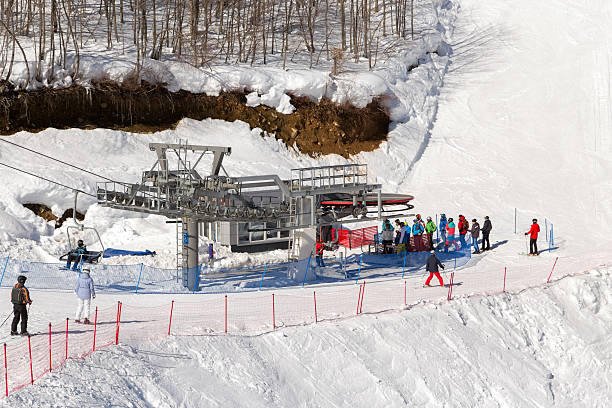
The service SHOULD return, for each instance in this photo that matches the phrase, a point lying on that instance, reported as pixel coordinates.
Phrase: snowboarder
(533, 237)
(430, 228)
(432, 267)
(85, 292)
(486, 230)
(75, 255)
(475, 234)
(20, 297)
(387, 237)
(464, 227)
(319, 248)
(442, 227)
(450, 231)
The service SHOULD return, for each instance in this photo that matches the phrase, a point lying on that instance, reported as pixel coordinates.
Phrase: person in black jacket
(486, 230)
(20, 297)
(432, 267)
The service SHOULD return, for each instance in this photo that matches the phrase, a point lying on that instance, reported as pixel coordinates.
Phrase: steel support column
(190, 252)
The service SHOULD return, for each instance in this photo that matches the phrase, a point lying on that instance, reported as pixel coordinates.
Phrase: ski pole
(5, 320)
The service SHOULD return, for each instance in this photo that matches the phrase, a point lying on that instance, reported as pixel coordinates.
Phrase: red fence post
(449, 296)
(31, 369)
(95, 327)
(314, 293)
(553, 268)
(49, 346)
(505, 268)
(405, 298)
(118, 322)
(362, 293)
(5, 373)
(226, 313)
(359, 298)
(66, 357)
(273, 314)
(170, 324)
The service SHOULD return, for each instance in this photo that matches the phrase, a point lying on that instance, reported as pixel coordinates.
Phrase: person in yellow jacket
(20, 297)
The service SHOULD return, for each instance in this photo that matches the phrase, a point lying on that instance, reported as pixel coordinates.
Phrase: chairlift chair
(89, 256)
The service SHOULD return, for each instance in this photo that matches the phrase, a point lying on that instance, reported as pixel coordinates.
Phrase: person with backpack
(533, 238)
(450, 231)
(486, 230)
(387, 237)
(442, 227)
(475, 234)
(20, 298)
(85, 292)
(430, 228)
(432, 267)
(464, 227)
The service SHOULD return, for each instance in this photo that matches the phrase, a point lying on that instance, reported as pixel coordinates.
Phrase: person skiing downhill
(85, 292)
(533, 237)
(486, 230)
(432, 267)
(450, 230)
(20, 298)
(442, 227)
(475, 231)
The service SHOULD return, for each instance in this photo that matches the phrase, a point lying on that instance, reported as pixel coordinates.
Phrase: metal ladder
(294, 240)
(179, 248)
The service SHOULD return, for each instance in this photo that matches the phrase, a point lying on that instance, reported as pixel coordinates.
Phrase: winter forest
(49, 35)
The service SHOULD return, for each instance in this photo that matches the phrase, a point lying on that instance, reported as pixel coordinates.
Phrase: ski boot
(24, 334)
(86, 321)
(14, 333)
(77, 321)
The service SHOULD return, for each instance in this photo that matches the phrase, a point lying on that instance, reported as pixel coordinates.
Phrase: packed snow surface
(516, 116)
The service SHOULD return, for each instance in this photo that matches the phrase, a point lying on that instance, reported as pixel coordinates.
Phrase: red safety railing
(354, 238)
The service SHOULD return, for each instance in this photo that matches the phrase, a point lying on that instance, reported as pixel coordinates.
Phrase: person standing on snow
(417, 233)
(486, 230)
(430, 228)
(85, 292)
(442, 227)
(450, 231)
(475, 234)
(398, 232)
(533, 237)
(432, 267)
(420, 220)
(20, 298)
(387, 237)
(464, 227)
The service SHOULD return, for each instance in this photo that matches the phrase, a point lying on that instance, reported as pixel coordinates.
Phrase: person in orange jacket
(20, 297)
(533, 237)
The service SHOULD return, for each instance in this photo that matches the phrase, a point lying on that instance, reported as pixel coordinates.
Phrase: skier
(450, 230)
(85, 292)
(386, 224)
(430, 228)
(464, 227)
(442, 227)
(475, 234)
(432, 267)
(387, 237)
(319, 250)
(76, 255)
(20, 297)
(420, 220)
(417, 233)
(533, 235)
(404, 237)
(486, 230)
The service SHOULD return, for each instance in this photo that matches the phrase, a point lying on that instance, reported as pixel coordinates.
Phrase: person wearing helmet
(76, 255)
(442, 227)
(417, 233)
(430, 228)
(387, 237)
(450, 230)
(432, 267)
(533, 237)
(85, 292)
(20, 298)
(420, 220)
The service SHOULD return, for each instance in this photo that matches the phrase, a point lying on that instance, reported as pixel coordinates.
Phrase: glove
(94, 296)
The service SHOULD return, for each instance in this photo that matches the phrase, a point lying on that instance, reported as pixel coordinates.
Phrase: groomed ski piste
(517, 116)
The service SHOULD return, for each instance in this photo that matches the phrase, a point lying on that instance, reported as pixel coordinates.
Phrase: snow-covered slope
(544, 347)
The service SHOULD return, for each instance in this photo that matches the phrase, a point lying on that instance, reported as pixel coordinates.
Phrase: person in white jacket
(85, 292)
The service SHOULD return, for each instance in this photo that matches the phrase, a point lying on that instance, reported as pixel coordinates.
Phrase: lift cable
(46, 179)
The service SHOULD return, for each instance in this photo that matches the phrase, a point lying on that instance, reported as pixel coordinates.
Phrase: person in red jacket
(319, 248)
(533, 237)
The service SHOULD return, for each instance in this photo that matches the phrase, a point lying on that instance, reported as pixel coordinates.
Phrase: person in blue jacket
(75, 255)
(85, 292)
(417, 233)
(442, 227)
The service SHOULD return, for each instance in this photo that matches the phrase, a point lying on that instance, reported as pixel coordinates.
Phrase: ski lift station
(251, 213)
